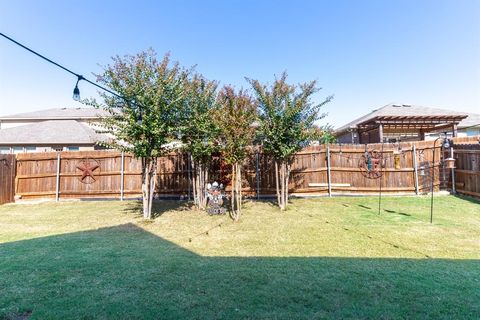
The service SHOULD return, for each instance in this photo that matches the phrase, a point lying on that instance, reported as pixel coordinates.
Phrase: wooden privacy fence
(316, 170)
(467, 171)
(7, 178)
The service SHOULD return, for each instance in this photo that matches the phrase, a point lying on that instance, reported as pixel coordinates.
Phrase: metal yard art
(215, 195)
(87, 167)
(371, 164)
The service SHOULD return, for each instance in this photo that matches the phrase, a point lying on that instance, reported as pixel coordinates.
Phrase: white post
(122, 169)
(57, 190)
(415, 169)
(452, 173)
(329, 177)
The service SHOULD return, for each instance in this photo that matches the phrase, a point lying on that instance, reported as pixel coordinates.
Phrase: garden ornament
(215, 197)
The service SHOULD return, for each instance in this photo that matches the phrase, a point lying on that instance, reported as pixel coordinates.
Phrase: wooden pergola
(375, 129)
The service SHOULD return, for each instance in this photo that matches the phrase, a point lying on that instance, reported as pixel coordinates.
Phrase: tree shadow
(397, 212)
(159, 207)
(364, 206)
(127, 272)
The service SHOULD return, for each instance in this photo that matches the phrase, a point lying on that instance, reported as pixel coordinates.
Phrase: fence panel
(467, 171)
(7, 178)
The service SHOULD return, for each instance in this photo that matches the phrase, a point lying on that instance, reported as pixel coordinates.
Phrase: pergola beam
(414, 125)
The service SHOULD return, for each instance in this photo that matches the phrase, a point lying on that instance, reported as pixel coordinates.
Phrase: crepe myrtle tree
(323, 134)
(144, 118)
(199, 132)
(287, 116)
(235, 116)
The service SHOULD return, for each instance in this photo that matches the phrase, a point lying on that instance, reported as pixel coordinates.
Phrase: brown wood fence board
(7, 178)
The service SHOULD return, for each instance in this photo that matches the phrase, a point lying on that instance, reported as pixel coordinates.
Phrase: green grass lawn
(323, 258)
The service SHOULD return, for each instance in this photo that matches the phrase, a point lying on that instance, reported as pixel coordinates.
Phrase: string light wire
(79, 76)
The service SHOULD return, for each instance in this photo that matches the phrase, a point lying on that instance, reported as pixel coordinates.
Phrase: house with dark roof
(401, 122)
(51, 130)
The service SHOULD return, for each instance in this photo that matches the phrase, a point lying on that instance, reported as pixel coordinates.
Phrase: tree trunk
(148, 183)
(153, 180)
(194, 181)
(287, 178)
(145, 187)
(200, 174)
(236, 196)
(277, 183)
(199, 186)
(204, 187)
(232, 194)
(282, 185)
(239, 190)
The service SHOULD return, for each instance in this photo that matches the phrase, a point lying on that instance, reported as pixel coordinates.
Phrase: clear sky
(366, 53)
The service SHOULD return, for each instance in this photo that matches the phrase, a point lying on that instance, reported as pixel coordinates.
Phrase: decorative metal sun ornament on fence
(371, 164)
(87, 167)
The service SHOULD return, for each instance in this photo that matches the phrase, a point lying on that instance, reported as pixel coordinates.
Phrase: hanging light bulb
(446, 143)
(76, 91)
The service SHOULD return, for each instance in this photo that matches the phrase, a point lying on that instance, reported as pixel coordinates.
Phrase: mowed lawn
(323, 258)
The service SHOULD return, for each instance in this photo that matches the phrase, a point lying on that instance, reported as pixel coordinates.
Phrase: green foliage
(287, 115)
(324, 135)
(235, 118)
(327, 137)
(154, 90)
(198, 129)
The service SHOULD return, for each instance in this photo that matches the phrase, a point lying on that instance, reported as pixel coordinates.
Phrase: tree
(287, 116)
(143, 119)
(199, 132)
(235, 117)
(324, 134)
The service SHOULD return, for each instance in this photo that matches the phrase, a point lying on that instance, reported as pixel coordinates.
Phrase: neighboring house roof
(58, 113)
(473, 120)
(400, 110)
(50, 132)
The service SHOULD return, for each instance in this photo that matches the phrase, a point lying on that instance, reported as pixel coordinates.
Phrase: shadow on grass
(467, 198)
(364, 206)
(126, 272)
(159, 207)
(397, 212)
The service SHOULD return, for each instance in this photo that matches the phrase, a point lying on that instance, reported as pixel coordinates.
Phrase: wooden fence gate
(7, 178)
(467, 172)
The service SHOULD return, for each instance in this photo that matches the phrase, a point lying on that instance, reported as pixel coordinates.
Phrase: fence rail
(316, 170)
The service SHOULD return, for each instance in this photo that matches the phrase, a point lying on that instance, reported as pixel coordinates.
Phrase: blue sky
(366, 53)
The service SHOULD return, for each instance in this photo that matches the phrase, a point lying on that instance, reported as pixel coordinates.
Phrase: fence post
(415, 169)
(329, 177)
(57, 189)
(122, 169)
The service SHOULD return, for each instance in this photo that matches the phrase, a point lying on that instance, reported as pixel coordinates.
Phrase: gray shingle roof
(473, 119)
(50, 132)
(59, 113)
(400, 110)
